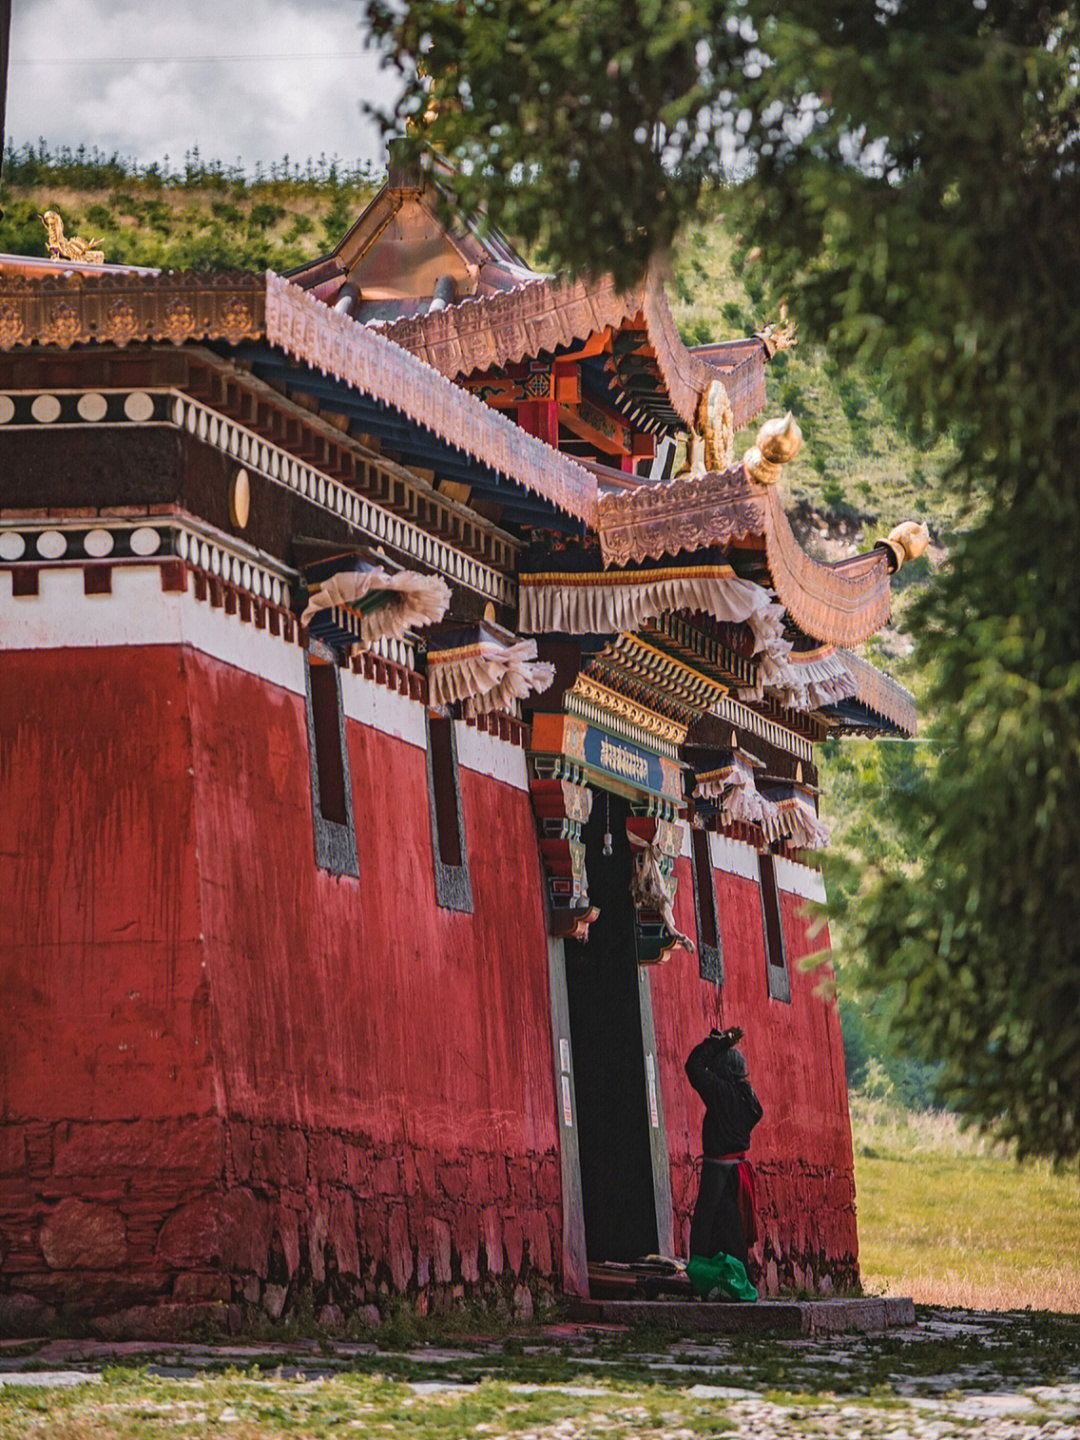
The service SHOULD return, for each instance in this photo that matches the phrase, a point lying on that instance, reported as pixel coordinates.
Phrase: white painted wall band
(139, 612)
(801, 880)
(733, 857)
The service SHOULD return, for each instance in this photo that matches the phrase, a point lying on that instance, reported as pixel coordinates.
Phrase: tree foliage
(910, 174)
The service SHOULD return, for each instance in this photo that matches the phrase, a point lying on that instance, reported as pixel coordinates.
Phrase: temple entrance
(603, 984)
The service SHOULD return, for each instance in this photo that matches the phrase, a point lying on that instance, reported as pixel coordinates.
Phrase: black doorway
(602, 984)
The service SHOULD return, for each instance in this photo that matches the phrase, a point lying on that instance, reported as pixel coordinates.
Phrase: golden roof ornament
(708, 450)
(63, 248)
(906, 541)
(778, 442)
(776, 336)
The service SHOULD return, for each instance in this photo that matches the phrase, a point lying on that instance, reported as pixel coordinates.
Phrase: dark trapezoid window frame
(710, 945)
(331, 782)
(453, 886)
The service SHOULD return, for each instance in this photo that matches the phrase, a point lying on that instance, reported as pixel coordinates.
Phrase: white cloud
(120, 76)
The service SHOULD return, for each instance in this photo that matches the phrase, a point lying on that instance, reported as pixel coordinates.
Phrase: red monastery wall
(802, 1148)
(380, 1058)
(107, 1092)
(234, 1075)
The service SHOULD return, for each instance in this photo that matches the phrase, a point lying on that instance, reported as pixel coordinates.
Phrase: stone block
(294, 1158)
(386, 1176)
(288, 1229)
(192, 1233)
(491, 1238)
(195, 1286)
(513, 1243)
(539, 1237)
(425, 1170)
(357, 1168)
(274, 1297)
(316, 1238)
(479, 1178)
(549, 1181)
(233, 1229)
(326, 1158)
(440, 1250)
(899, 1310)
(24, 1315)
(241, 1151)
(341, 1232)
(523, 1303)
(81, 1236)
(331, 1320)
(522, 1182)
(12, 1150)
(193, 1147)
(454, 1179)
(165, 1322)
(400, 1244)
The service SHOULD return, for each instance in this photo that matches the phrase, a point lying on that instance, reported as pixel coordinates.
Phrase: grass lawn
(950, 1220)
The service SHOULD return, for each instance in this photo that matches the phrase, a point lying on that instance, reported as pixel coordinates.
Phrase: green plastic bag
(721, 1278)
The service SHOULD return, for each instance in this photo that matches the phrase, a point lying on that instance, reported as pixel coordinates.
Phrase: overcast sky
(253, 80)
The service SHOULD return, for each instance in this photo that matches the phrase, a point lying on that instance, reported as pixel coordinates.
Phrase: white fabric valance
(613, 601)
(487, 675)
(794, 818)
(801, 682)
(733, 786)
(388, 605)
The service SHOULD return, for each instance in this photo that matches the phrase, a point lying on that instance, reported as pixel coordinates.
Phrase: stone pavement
(953, 1373)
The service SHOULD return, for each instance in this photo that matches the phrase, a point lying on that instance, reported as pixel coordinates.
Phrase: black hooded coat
(718, 1074)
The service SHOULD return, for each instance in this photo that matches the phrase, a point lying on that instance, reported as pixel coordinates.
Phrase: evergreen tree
(910, 173)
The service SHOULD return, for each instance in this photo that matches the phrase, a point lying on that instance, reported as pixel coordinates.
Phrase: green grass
(952, 1220)
(204, 217)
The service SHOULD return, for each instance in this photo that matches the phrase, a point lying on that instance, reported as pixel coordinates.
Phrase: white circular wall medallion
(145, 541)
(97, 543)
(240, 499)
(138, 406)
(182, 545)
(45, 409)
(51, 544)
(7, 409)
(12, 545)
(92, 406)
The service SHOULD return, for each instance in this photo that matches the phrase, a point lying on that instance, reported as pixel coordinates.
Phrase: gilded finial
(710, 444)
(906, 541)
(63, 248)
(778, 442)
(778, 336)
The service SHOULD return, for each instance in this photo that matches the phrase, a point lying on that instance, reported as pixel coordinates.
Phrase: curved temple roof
(546, 315)
(842, 604)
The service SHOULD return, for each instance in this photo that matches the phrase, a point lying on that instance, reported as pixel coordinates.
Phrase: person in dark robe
(725, 1217)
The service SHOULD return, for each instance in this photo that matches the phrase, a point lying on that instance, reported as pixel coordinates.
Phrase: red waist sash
(747, 1201)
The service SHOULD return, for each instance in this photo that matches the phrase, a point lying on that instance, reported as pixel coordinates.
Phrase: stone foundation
(204, 1222)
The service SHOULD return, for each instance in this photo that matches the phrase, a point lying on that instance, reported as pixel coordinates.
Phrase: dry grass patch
(951, 1219)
